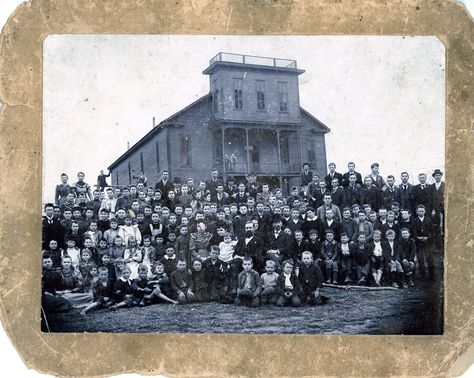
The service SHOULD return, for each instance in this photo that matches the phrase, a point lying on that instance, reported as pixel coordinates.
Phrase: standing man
(351, 171)
(164, 185)
(423, 194)
(377, 180)
(332, 175)
(406, 192)
(306, 177)
(102, 181)
(211, 185)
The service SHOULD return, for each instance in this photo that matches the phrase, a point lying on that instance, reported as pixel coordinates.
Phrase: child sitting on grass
(311, 279)
(268, 282)
(288, 286)
(248, 285)
(140, 286)
(102, 292)
(123, 291)
(160, 285)
(182, 283)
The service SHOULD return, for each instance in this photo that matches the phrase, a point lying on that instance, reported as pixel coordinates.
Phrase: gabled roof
(165, 123)
(324, 128)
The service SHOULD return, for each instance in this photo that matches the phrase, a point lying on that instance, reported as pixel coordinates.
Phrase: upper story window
(260, 88)
(283, 95)
(237, 82)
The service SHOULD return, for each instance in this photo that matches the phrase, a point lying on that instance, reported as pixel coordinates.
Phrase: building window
(237, 93)
(260, 87)
(311, 154)
(141, 163)
(157, 148)
(129, 173)
(283, 96)
(117, 178)
(185, 151)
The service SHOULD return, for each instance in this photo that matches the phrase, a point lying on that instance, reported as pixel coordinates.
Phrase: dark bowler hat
(177, 180)
(437, 172)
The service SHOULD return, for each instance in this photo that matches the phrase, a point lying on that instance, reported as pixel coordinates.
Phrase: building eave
(324, 128)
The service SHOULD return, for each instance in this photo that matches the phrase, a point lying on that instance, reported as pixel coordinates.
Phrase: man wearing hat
(438, 207)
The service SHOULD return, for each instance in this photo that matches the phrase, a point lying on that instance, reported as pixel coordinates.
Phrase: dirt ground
(417, 310)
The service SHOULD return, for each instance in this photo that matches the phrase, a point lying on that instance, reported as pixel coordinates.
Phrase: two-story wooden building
(251, 121)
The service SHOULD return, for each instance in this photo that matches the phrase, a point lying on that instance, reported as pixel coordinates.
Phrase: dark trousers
(246, 298)
(424, 252)
(294, 300)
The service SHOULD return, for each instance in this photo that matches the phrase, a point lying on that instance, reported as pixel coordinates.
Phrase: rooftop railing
(251, 59)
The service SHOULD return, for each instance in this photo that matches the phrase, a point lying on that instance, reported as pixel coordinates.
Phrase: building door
(254, 158)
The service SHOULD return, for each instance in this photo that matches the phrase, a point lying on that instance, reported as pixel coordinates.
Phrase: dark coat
(52, 230)
(371, 196)
(328, 179)
(311, 277)
(423, 197)
(295, 250)
(281, 243)
(406, 197)
(345, 178)
(352, 195)
(407, 249)
(253, 249)
(280, 284)
(391, 195)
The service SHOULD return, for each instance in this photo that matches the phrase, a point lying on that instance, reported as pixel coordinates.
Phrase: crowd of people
(236, 242)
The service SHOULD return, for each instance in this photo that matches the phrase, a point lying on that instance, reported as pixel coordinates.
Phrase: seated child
(149, 254)
(182, 283)
(133, 257)
(361, 260)
(102, 249)
(119, 265)
(160, 284)
(86, 263)
(182, 244)
(123, 291)
(117, 250)
(215, 273)
(130, 230)
(102, 292)
(72, 285)
(72, 251)
(377, 253)
(93, 233)
(248, 285)
(268, 282)
(199, 282)
(106, 263)
(140, 286)
(112, 232)
(227, 249)
(51, 282)
(288, 286)
(55, 253)
(330, 255)
(345, 257)
(314, 246)
(407, 255)
(169, 260)
(311, 279)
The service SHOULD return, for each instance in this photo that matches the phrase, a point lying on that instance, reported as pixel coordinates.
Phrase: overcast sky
(382, 97)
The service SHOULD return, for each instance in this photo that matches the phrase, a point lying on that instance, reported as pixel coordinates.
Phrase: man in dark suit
(423, 194)
(351, 171)
(211, 185)
(277, 242)
(164, 185)
(371, 194)
(352, 192)
(220, 198)
(250, 245)
(377, 180)
(51, 227)
(438, 207)
(423, 234)
(406, 192)
(332, 175)
(391, 193)
(264, 219)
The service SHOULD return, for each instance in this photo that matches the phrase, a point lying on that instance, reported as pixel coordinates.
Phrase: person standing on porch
(306, 177)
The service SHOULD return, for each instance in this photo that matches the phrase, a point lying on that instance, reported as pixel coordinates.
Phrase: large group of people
(242, 242)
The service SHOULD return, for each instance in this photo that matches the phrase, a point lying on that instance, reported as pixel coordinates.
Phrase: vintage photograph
(243, 184)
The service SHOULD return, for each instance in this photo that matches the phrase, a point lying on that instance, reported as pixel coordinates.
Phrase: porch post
(223, 153)
(279, 156)
(247, 148)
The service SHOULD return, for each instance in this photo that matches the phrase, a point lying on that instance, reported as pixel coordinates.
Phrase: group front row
(133, 281)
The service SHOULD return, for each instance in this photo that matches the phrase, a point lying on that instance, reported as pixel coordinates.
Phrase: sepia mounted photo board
(33, 97)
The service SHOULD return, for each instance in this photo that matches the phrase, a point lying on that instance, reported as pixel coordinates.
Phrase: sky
(382, 97)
